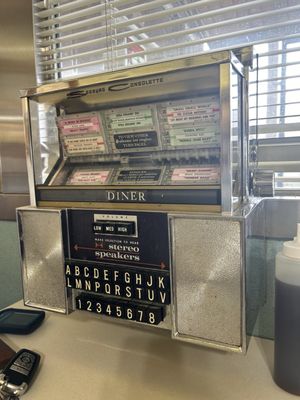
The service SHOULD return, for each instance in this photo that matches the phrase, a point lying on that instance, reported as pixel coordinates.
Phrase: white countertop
(86, 358)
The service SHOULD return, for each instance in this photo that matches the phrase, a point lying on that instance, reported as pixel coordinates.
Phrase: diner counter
(84, 357)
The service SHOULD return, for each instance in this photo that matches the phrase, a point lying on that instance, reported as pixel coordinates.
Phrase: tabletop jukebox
(139, 209)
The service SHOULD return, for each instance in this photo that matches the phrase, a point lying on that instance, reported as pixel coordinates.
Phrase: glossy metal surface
(159, 68)
(16, 70)
(42, 252)
(225, 134)
(208, 281)
(29, 149)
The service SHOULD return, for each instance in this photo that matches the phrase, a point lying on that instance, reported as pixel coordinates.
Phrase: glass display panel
(160, 134)
(165, 143)
(45, 141)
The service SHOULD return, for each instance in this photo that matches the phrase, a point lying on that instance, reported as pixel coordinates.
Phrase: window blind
(80, 37)
(274, 112)
(84, 37)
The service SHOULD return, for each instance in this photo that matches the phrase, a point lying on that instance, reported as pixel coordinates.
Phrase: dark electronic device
(16, 377)
(19, 321)
(6, 353)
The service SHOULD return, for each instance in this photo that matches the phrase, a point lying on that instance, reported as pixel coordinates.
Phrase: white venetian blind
(80, 37)
(84, 37)
(274, 111)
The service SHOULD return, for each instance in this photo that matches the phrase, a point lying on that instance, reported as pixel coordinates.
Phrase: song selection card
(201, 109)
(141, 176)
(84, 176)
(194, 175)
(82, 134)
(130, 118)
(194, 135)
(187, 124)
(190, 123)
(133, 128)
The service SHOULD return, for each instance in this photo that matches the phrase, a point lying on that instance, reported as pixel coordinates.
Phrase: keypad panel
(119, 291)
(131, 311)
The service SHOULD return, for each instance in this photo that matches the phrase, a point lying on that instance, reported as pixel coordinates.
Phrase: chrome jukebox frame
(221, 277)
(227, 63)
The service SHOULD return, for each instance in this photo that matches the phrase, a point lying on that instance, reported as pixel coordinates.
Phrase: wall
(16, 72)
(10, 283)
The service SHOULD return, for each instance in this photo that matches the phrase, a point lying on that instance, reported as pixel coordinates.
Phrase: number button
(130, 313)
(129, 310)
(155, 315)
(141, 313)
(108, 309)
(99, 307)
(119, 311)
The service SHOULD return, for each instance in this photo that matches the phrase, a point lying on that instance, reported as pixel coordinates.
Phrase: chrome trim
(243, 260)
(225, 135)
(21, 249)
(207, 343)
(245, 135)
(132, 206)
(29, 150)
(146, 70)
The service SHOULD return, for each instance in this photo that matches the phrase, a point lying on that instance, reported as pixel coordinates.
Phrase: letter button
(128, 292)
(150, 295)
(128, 277)
(69, 269)
(70, 282)
(162, 281)
(116, 276)
(139, 293)
(107, 274)
(150, 281)
(138, 278)
(162, 297)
